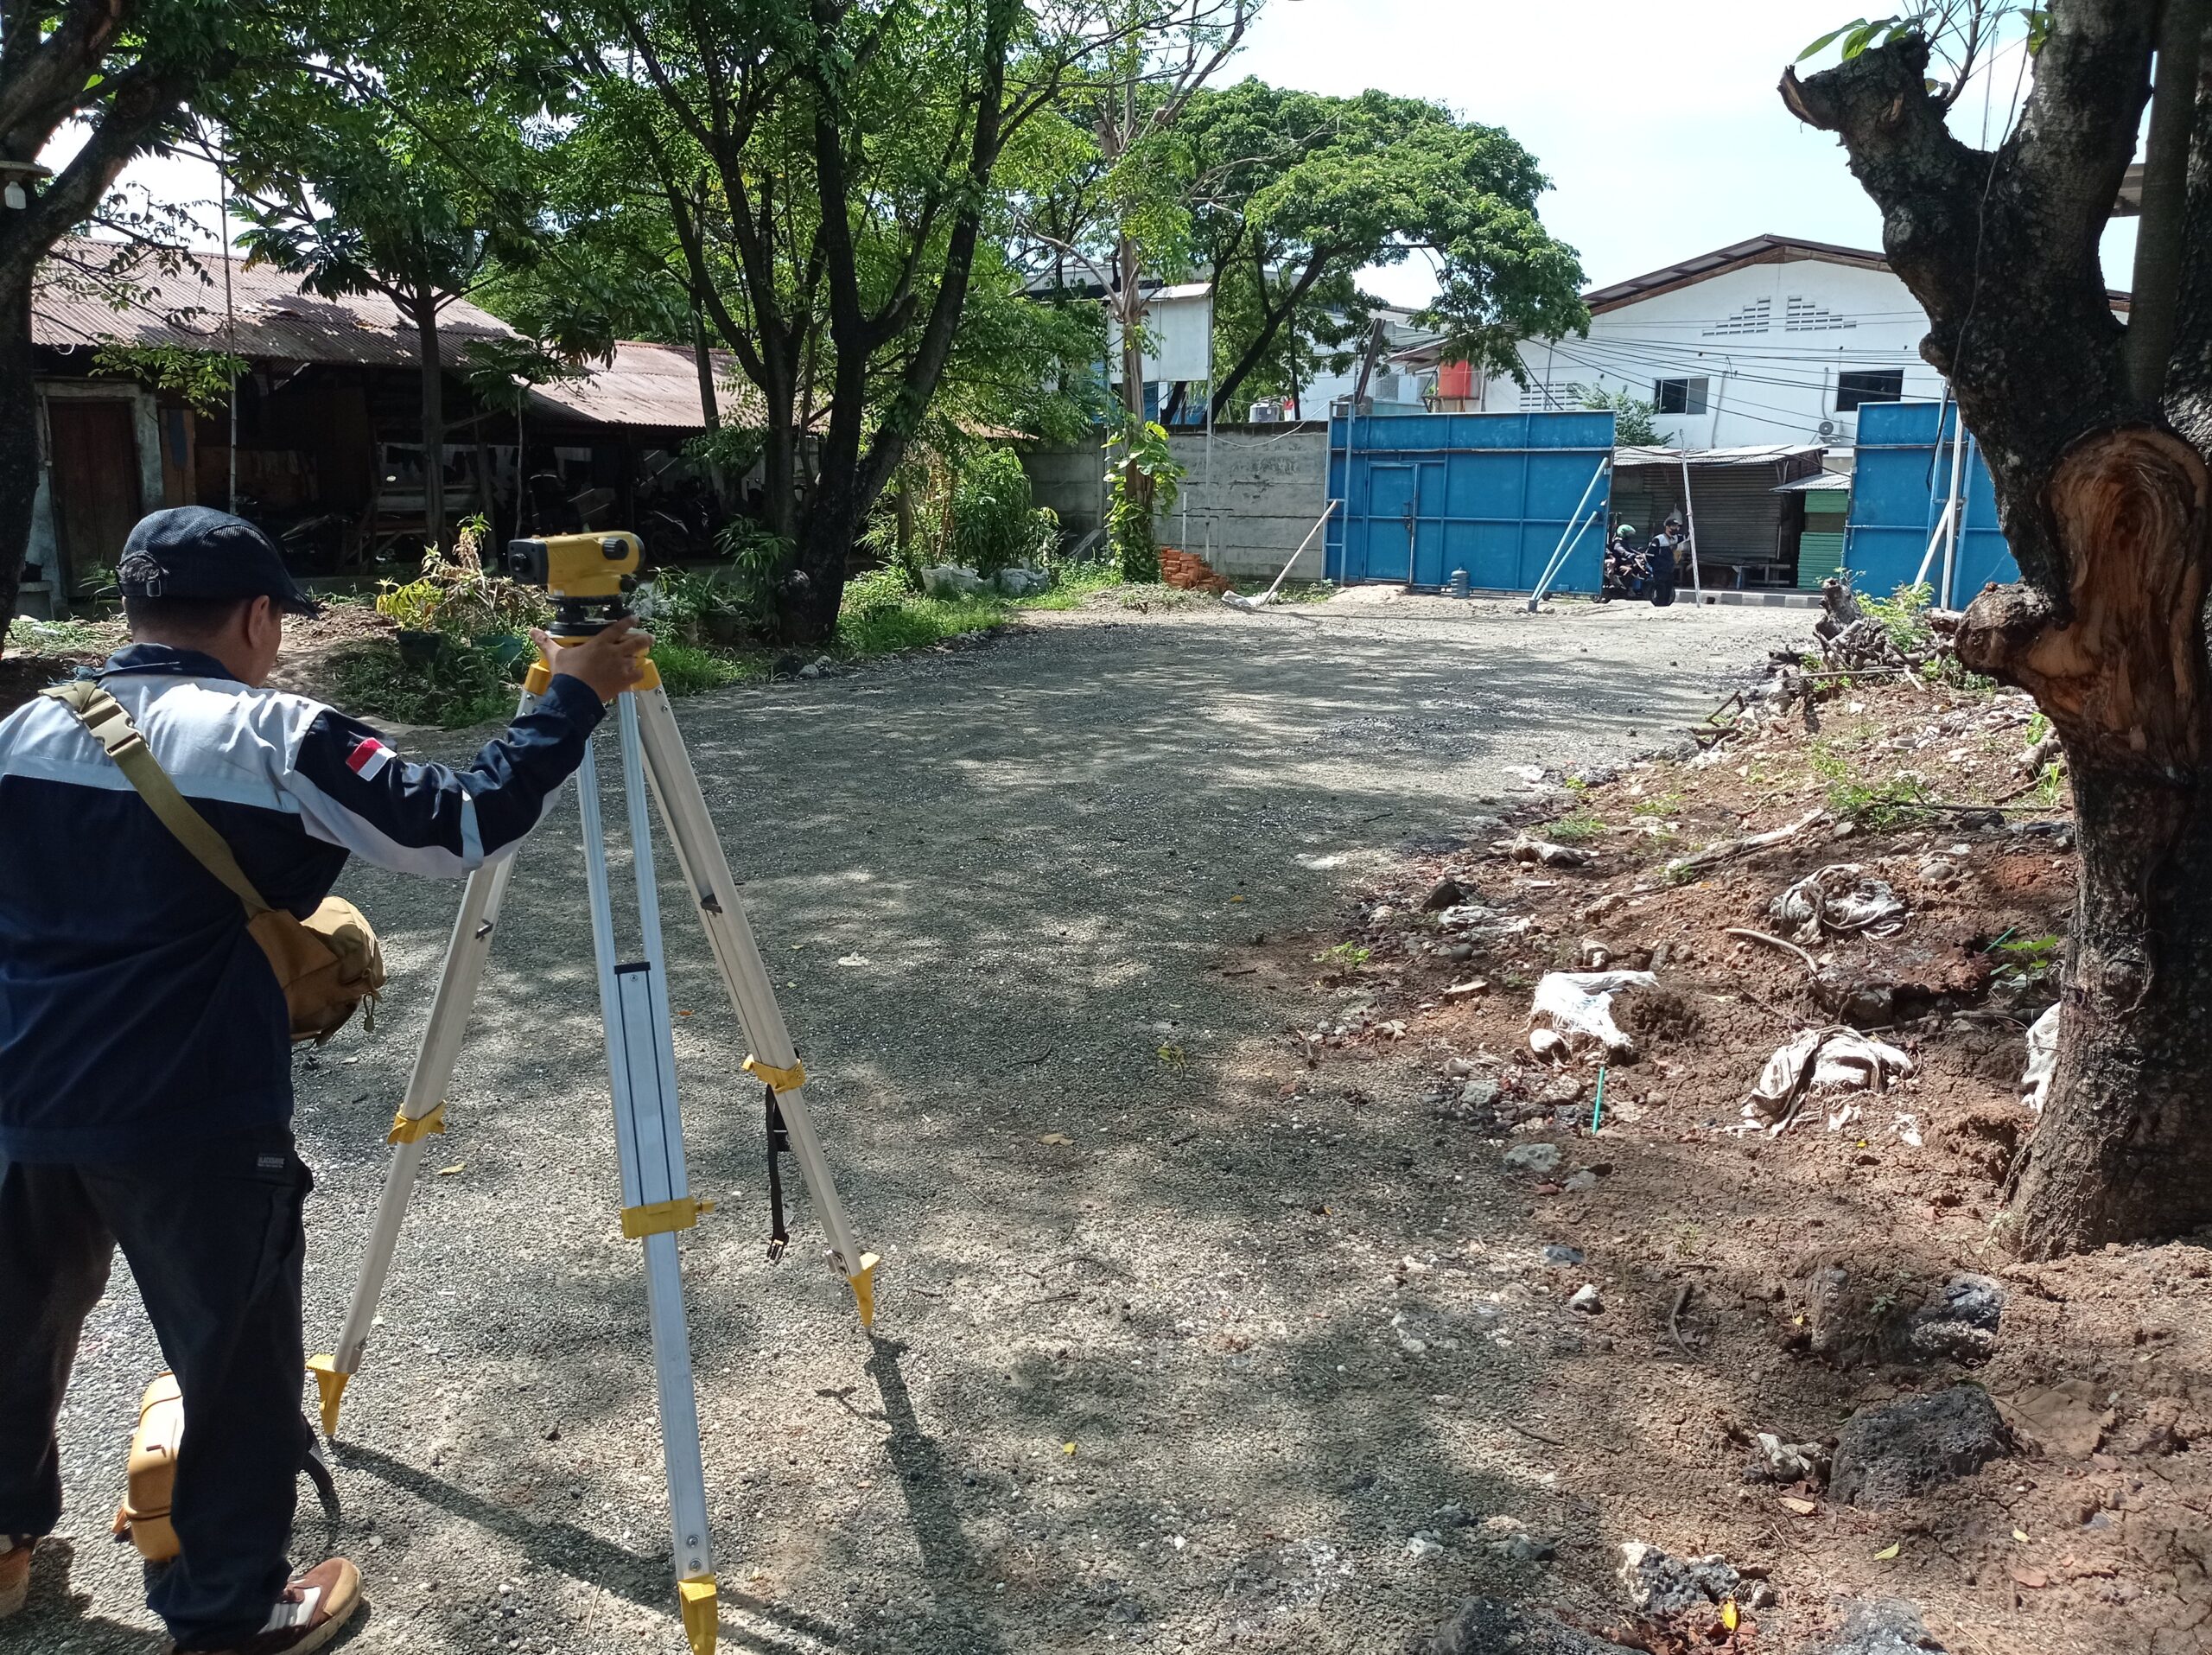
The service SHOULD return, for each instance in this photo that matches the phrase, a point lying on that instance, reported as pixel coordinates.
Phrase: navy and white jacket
(136, 1013)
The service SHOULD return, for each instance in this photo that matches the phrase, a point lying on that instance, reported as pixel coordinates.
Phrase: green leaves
(1299, 192)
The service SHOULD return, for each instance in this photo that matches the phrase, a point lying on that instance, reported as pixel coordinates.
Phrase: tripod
(656, 1201)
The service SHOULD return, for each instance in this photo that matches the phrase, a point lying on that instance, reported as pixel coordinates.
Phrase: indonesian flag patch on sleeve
(369, 756)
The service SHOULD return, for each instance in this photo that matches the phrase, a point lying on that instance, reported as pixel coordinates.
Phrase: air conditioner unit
(1827, 428)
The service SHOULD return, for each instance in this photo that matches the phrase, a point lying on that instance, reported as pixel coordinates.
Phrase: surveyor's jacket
(135, 1011)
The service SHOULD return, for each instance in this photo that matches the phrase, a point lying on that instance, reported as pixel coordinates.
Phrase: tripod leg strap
(778, 1143)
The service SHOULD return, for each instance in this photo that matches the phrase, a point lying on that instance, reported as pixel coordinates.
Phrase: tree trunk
(434, 421)
(2122, 1152)
(705, 360)
(18, 447)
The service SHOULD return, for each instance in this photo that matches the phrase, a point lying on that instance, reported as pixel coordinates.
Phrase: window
(1680, 396)
(1853, 389)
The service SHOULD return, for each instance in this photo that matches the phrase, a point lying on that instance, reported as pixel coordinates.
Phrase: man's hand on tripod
(609, 660)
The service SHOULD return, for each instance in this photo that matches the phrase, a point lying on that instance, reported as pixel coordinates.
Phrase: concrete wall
(1070, 479)
(1266, 489)
(1248, 507)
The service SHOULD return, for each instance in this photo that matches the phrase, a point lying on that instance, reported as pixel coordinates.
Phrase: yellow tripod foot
(699, 1616)
(332, 1384)
(864, 1288)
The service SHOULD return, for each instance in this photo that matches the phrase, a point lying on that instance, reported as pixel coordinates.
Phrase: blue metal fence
(1897, 494)
(1423, 494)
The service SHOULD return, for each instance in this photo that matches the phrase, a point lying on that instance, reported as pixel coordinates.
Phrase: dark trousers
(214, 1237)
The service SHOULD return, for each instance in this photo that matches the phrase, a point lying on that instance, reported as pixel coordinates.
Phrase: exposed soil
(303, 668)
(1767, 1284)
(1204, 1325)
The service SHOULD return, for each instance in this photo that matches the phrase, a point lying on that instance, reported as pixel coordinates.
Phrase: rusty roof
(646, 385)
(272, 319)
(270, 316)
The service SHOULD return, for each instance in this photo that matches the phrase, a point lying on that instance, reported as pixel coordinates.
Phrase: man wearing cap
(145, 1062)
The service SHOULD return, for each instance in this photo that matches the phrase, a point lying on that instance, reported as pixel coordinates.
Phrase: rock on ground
(1960, 1322)
(1890, 1453)
(1660, 1584)
(1487, 1626)
(1881, 1626)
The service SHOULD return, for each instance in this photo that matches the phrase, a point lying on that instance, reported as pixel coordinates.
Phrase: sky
(1659, 126)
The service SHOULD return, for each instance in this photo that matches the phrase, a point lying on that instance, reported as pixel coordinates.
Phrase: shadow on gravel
(949, 1564)
(577, 1553)
(57, 1617)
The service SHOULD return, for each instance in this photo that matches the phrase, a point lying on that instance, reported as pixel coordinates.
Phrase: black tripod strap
(778, 1143)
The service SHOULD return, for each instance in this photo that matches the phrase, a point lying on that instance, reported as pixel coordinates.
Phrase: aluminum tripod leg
(421, 1112)
(699, 850)
(649, 1135)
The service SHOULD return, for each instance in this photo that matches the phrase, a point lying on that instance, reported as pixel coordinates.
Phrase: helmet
(1625, 528)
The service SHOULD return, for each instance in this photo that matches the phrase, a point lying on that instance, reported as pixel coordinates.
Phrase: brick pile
(1190, 572)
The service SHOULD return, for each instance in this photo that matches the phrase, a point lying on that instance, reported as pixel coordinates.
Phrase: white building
(1772, 340)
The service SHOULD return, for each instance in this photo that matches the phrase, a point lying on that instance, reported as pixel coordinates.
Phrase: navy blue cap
(195, 551)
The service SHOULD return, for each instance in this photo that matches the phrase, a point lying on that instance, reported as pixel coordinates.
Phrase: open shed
(326, 450)
(1746, 532)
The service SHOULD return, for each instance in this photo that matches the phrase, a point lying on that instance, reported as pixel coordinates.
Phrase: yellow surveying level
(575, 565)
(586, 575)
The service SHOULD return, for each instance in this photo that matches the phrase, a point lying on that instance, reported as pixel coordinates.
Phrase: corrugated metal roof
(1763, 454)
(645, 384)
(1819, 482)
(274, 320)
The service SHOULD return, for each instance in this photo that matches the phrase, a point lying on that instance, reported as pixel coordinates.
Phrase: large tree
(121, 70)
(828, 171)
(405, 161)
(1297, 193)
(2096, 433)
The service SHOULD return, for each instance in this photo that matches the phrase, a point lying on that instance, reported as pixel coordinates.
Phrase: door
(95, 482)
(1389, 525)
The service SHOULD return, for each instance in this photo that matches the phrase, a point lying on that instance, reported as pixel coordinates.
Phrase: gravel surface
(1140, 1386)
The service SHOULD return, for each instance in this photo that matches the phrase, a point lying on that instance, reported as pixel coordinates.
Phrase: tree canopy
(1297, 193)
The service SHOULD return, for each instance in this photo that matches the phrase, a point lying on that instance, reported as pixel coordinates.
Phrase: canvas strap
(107, 722)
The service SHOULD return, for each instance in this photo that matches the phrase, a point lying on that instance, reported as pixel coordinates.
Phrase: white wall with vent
(1774, 353)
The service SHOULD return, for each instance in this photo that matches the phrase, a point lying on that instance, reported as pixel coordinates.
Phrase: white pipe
(1951, 509)
(1689, 512)
(1935, 539)
(1573, 528)
(1559, 558)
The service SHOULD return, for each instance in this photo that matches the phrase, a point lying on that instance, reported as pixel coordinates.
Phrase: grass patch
(460, 687)
(914, 622)
(1344, 957)
(1660, 804)
(76, 637)
(689, 670)
(1076, 586)
(1575, 829)
(1894, 802)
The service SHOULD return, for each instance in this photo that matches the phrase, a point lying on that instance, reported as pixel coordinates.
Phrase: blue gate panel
(1496, 494)
(1897, 494)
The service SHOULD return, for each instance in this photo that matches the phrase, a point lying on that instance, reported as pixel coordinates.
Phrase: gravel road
(1140, 1386)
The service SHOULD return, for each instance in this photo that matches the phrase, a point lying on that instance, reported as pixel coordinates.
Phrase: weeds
(1573, 829)
(458, 686)
(63, 637)
(1346, 956)
(688, 669)
(1896, 801)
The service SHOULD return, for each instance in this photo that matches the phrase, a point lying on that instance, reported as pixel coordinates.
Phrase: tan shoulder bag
(326, 965)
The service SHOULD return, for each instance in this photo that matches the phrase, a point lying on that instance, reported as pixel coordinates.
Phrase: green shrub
(876, 619)
(993, 525)
(687, 669)
(458, 686)
(455, 596)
